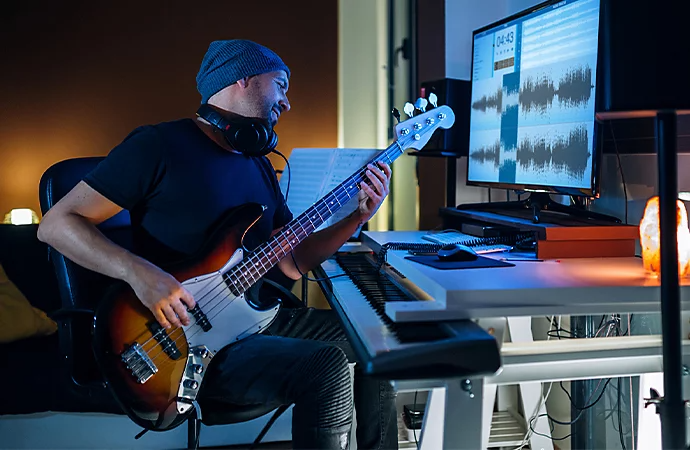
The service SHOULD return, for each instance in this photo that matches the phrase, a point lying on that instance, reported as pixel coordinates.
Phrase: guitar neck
(267, 255)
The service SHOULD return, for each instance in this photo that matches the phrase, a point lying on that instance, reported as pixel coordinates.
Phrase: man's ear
(243, 82)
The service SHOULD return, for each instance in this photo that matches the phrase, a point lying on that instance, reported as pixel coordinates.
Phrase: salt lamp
(649, 238)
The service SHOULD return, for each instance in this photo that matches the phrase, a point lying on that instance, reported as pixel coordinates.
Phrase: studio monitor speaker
(456, 94)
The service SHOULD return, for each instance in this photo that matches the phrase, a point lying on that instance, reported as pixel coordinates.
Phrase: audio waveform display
(564, 154)
(574, 90)
(493, 101)
(532, 122)
(489, 153)
(536, 94)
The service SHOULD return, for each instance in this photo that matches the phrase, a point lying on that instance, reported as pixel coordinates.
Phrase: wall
(362, 81)
(462, 18)
(78, 76)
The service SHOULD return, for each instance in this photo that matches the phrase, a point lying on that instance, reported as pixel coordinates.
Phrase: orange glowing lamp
(649, 238)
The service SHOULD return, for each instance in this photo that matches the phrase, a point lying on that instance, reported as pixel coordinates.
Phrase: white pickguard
(231, 317)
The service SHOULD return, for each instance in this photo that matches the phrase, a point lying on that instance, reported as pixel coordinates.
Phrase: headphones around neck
(249, 136)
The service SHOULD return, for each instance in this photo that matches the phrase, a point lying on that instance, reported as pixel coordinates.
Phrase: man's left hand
(374, 191)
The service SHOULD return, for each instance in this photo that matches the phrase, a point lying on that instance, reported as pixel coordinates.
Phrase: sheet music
(317, 171)
(347, 162)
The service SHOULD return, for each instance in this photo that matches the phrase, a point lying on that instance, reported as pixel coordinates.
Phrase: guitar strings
(357, 178)
(224, 289)
(238, 277)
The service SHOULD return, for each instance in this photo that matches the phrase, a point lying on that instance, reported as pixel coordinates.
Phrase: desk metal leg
(586, 429)
(531, 394)
(488, 403)
(453, 417)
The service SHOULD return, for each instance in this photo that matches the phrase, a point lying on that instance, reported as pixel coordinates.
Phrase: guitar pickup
(139, 362)
(162, 337)
(200, 318)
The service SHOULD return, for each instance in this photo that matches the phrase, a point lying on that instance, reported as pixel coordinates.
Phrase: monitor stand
(538, 201)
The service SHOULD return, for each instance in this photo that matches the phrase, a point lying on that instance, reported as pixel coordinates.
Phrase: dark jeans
(277, 367)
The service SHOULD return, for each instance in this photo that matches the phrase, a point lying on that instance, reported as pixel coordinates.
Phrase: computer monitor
(534, 86)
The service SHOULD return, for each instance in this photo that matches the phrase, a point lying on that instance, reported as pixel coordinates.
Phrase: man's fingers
(387, 172)
(378, 173)
(386, 169)
(375, 181)
(171, 316)
(160, 317)
(384, 173)
(181, 311)
(370, 192)
(187, 299)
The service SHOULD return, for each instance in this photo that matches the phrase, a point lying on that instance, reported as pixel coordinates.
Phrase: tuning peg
(421, 103)
(396, 114)
(409, 109)
(433, 99)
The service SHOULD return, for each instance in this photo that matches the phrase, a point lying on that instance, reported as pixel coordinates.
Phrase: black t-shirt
(177, 183)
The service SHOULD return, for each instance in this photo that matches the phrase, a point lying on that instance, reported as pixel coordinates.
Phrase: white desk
(568, 286)
(504, 299)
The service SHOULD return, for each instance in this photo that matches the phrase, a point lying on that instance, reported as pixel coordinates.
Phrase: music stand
(644, 70)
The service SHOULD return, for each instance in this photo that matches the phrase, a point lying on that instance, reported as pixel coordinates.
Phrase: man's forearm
(322, 244)
(79, 240)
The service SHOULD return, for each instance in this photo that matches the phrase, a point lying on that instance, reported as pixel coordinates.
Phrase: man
(177, 179)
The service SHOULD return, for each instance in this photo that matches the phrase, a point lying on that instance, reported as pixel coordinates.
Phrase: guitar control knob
(467, 387)
(191, 384)
(202, 352)
(198, 368)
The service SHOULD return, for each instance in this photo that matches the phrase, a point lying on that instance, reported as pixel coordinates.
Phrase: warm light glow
(21, 216)
(649, 238)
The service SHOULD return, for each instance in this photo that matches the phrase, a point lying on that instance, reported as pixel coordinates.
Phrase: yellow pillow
(18, 319)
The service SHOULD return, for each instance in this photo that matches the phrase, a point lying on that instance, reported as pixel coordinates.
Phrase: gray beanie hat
(226, 62)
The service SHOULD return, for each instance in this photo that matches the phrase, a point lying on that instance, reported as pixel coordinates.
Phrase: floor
(287, 445)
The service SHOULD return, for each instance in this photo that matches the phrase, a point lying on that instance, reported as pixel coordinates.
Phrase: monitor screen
(532, 118)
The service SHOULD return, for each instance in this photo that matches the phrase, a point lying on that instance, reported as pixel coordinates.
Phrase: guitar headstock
(416, 131)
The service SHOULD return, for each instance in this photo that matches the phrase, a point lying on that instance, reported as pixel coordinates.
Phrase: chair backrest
(80, 289)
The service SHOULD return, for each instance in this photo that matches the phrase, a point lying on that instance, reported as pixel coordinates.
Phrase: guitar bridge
(139, 362)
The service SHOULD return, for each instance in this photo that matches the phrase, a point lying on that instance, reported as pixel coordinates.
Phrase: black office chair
(80, 287)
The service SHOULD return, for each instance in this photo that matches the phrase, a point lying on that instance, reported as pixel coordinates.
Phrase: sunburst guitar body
(156, 373)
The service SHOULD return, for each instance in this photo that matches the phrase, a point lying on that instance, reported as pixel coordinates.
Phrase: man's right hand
(161, 293)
